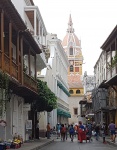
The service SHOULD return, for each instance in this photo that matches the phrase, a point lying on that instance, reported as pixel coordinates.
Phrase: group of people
(83, 132)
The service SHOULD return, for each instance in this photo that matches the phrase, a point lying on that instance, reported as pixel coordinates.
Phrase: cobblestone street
(68, 145)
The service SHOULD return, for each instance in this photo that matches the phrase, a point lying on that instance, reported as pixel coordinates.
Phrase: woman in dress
(81, 132)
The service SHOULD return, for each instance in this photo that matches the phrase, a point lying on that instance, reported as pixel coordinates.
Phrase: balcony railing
(30, 82)
(14, 70)
(7, 63)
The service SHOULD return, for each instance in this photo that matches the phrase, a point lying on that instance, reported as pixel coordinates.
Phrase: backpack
(71, 130)
(63, 130)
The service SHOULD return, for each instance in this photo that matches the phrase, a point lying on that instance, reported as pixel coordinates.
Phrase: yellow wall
(79, 94)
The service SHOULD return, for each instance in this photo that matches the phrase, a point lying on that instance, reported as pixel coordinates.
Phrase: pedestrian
(88, 132)
(103, 129)
(75, 129)
(48, 130)
(97, 130)
(112, 131)
(63, 131)
(58, 127)
(37, 130)
(81, 132)
(72, 132)
(66, 131)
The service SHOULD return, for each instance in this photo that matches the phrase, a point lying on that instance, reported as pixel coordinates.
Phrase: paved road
(68, 145)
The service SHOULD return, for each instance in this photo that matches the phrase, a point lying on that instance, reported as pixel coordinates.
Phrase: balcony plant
(112, 63)
(4, 92)
(47, 100)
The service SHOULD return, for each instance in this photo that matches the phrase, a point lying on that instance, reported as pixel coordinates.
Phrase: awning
(112, 81)
(61, 112)
(63, 88)
(103, 85)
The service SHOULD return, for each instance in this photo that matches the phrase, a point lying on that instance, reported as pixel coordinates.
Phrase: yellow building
(72, 47)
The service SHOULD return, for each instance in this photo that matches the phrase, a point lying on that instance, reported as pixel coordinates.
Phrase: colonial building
(56, 77)
(86, 102)
(72, 47)
(105, 94)
(19, 60)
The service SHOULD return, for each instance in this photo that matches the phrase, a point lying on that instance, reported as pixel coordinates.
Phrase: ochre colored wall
(74, 92)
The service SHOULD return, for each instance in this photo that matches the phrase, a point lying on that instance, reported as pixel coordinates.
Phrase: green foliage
(47, 100)
(4, 87)
(113, 62)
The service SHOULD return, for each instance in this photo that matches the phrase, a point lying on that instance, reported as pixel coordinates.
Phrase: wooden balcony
(30, 82)
(7, 63)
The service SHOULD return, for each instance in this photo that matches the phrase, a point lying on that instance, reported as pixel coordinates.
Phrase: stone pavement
(35, 144)
(109, 141)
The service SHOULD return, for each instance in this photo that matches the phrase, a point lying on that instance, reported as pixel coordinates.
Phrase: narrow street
(68, 145)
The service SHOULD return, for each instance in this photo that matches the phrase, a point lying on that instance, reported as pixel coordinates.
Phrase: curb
(111, 143)
(40, 146)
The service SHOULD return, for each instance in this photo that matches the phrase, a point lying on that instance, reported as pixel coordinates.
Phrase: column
(2, 38)
(10, 46)
(22, 61)
(35, 66)
(35, 24)
(18, 56)
(29, 62)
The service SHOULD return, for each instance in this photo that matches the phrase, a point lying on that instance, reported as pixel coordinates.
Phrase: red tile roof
(74, 81)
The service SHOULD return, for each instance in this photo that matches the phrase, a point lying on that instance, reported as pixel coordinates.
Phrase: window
(71, 68)
(77, 91)
(75, 111)
(71, 92)
(71, 50)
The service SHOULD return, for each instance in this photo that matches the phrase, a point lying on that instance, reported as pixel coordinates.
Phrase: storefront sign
(28, 124)
(27, 107)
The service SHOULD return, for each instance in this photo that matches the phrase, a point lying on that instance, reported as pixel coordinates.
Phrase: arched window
(77, 91)
(71, 68)
(71, 50)
(71, 91)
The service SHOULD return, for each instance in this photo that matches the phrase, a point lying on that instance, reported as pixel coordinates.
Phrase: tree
(47, 100)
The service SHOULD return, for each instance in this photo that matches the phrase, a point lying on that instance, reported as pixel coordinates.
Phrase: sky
(93, 21)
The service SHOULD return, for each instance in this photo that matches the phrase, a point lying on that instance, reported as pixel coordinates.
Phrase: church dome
(70, 36)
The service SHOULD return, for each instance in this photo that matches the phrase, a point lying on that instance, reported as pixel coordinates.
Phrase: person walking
(81, 132)
(37, 130)
(112, 131)
(48, 130)
(72, 132)
(66, 131)
(88, 132)
(58, 127)
(103, 129)
(97, 130)
(63, 131)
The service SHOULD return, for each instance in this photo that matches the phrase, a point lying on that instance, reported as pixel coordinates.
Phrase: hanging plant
(4, 86)
(47, 100)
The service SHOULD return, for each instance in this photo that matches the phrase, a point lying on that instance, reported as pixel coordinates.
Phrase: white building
(17, 113)
(56, 77)
(100, 69)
